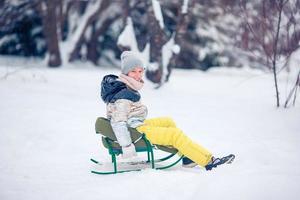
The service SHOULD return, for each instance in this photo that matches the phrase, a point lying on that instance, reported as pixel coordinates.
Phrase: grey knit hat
(130, 60)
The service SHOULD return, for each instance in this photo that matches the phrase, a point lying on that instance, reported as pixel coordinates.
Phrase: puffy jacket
(112, 89)
(124, 107)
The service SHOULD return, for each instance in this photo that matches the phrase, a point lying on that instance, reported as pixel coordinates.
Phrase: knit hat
(130, 60)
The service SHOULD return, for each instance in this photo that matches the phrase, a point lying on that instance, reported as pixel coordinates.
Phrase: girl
(124, 108)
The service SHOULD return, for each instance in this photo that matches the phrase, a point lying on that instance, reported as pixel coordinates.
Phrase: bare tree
(157, 39)
(280, 4)
(268, 35)
(293, 92)
(47, 10)
(184, 13)
(90, 23)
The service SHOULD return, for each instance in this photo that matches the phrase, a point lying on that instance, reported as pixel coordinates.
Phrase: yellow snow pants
(163, 131)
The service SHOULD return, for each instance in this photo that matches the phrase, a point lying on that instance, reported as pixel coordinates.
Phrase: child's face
(136, 73)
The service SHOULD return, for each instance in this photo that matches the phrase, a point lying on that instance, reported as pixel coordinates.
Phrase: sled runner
(142, 144)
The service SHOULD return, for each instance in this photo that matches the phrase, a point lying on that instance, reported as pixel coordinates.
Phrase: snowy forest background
(189, 34)
(226, 71)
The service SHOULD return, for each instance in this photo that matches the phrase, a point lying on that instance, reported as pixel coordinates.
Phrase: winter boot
(128, 151)
(188, 163)
(219, 161)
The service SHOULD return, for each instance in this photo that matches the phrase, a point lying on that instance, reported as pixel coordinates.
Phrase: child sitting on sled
(124, 108)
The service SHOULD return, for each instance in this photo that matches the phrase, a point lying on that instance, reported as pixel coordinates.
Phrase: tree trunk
(293, 92)
(50, 32)
(275, 49)
(62, 18)
(181, 29)
(75, 54)
(157, 40)
(92, 52)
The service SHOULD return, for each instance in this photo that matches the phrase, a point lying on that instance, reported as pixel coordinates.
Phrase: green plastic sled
(142, 144)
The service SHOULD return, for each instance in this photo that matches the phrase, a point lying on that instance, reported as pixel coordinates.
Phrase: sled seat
(142, 144)
(103, 127)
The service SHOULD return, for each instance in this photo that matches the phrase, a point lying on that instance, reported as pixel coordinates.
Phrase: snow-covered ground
(47, 136)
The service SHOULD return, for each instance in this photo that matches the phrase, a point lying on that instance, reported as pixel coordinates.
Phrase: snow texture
(127, 39)
(158, 13)
(69, 44)
(47, 135)
(184, 8)
(167, 52)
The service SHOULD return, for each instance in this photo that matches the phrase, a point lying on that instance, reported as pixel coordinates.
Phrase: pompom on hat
(130, 60)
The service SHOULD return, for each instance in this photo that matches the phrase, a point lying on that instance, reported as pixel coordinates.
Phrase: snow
(153, 66)
(69, 44)
(167, 52)
(92, 9)
(184, 7)
(7, 38)
(15, 2)
(158, 13)
(47, 135)
(127, 39)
